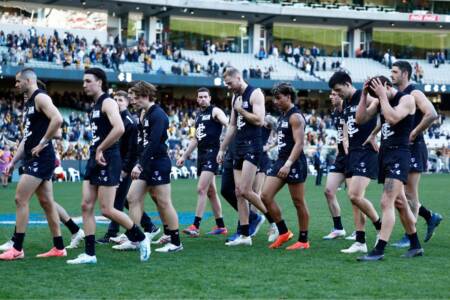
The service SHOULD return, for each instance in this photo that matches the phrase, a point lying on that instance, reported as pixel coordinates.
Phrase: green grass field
(209, 269)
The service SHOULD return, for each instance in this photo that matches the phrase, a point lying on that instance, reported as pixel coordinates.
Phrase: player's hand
(180, 162)
(36, 150)
(9, 168)
(220, 157)
(372, 141)
(379, 88)
(283, 172)
(136, 172)
(99, 158)
(237, 104)
(412, 136)
(366, 87)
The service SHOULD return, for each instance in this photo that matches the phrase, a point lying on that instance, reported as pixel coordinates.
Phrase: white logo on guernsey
(284, 124)
(240, 122)
(95, 138)
(340, 135)
(386, 131)
(95, 114)
(245, 104)
(199, 132)
(351, 128)
(280, 137)
(30, 110)
(206, 118)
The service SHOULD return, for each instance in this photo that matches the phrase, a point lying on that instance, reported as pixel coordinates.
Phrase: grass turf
(209, 269)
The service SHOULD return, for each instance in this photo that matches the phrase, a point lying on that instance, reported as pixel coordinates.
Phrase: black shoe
(432, 224)
(413, 253)
(105, 238)
(371, 256)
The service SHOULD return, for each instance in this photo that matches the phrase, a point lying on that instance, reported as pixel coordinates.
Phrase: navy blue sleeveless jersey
(285, 137)
(36, 125)
(101, 126)
(154, 127)
(248, 136)
(357, 134)
(398, 134)
(128, 141)
(419, 114)
(338, 122)
(207, 130)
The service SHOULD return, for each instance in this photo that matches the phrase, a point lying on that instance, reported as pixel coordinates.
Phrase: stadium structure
(363, 37)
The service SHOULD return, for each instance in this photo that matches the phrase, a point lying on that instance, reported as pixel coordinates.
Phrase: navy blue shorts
(250, 155)
(340, 164)
(264, 163)
(394, 163)
(157, 171)
(40, 167)
(207, 161)
(419, 157)
(108, 175)
(362, 162)
(297, 174)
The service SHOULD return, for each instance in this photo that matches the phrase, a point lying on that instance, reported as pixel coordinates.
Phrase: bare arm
(45, 105)
(429, 113)
(257, 116)
(231, 130)
(110, 108)
(187, 153)
(393, 115)
(345, 138)
(367, 108)
(220, 116)
(19, 153)
(372, 138)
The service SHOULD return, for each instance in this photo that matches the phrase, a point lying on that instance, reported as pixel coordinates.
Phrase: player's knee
(20, 201)
(201, 190)
(354, 198)
(211, 191)
(106, 211)
(44, 202)
(299, 203)
(386, 203)
(86, 206)
(328, 194)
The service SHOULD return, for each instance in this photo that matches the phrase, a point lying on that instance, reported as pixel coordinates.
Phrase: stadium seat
(74, 175)
(194, 172)
(175, 173)
(185, 172)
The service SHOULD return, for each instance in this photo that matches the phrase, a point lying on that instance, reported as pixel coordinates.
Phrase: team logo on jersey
(206, 118)
(351, 127)
(30, 110)
(386, 131)
(280, 140)
(95, 114)
(245, 104)
(284, 124)
(240, 122)
(353, 108)
(340, 135)
(199, 134)
(146, 123)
